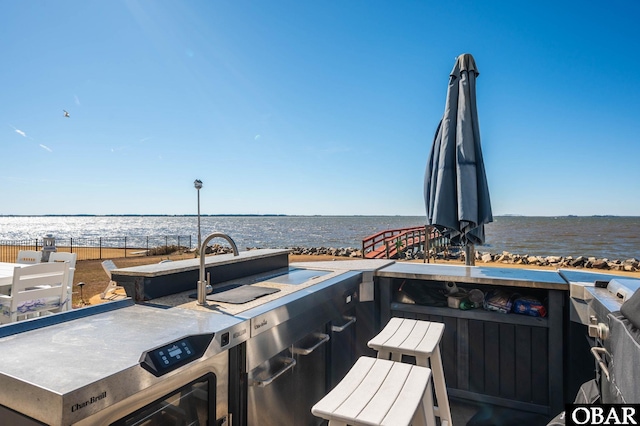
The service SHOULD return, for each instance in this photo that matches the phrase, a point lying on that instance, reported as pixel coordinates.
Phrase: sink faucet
(202, 283)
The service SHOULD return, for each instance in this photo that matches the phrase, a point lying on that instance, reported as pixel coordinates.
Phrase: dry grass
(91, 273)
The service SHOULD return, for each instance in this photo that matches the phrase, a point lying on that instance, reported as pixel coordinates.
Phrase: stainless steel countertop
(159, 269)
(335, 268)
(67, 371)
(586, 277)
(70, 355)
(287, 314)
(514, 277)
(183, 301)
(348, 265)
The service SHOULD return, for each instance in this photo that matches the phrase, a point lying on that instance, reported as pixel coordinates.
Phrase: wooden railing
(391, 243)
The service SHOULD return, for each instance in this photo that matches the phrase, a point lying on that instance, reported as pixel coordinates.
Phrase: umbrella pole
(469, 255)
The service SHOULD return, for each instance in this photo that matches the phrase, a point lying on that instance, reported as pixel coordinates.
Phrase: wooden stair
(391, 243)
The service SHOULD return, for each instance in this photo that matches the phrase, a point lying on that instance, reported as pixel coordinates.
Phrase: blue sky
(312, 107)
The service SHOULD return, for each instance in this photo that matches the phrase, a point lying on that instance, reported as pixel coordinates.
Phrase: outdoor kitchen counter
(177, 266)
(184, 301)
(509, 277)
(366, 265)
(505, 359)
(148, 282)
(330, 270)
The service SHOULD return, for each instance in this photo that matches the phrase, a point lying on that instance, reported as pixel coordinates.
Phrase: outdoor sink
(249, 289)
(296, 276)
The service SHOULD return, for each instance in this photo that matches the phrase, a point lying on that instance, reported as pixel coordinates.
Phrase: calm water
(610, 237)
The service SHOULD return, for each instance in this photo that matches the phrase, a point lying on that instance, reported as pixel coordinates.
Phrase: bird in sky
(66, 114)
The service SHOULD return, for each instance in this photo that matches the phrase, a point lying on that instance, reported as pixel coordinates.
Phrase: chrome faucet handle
(204, 287)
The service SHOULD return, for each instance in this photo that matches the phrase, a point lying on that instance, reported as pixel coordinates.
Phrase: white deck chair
(29, 257)
(109, 266)
(70, 258)
(35, 289)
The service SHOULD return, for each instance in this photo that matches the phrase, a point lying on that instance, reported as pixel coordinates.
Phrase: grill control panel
(168, 357)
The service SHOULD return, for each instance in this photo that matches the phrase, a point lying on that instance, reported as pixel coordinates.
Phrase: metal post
(199, 232)
(469, 254)
(198, 185)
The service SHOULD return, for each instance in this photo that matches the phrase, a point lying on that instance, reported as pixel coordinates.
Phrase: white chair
(419, 339)
(29, 257)
(380, 392)
(71, 259)
(109, 266)
(35, 289)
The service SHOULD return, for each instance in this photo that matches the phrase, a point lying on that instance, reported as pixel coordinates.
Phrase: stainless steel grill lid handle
(596, 351)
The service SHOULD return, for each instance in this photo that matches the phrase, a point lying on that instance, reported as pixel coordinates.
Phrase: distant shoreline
(195, 215)
(572, 216)
(600, 237)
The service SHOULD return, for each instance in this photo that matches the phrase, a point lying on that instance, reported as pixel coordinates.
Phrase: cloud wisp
(18, 131)
(24, 135)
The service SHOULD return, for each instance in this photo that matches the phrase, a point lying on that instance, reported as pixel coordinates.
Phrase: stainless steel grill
(617, 341)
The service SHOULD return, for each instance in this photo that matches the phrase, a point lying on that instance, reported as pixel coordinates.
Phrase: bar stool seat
(420, 339)
(380, 392)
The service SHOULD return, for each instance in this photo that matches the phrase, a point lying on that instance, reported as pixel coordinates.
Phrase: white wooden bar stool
(380, 392)
(421, 339)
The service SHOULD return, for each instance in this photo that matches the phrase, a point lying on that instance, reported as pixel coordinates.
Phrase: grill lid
(623, 288)
(631, 309)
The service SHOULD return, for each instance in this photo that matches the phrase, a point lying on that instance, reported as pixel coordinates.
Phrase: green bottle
(466, 305)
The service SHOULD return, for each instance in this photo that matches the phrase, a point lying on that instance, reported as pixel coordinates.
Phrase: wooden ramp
(390, 243)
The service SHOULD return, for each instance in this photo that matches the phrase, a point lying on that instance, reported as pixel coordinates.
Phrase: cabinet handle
(289, 363)
(341, 328)
(322, 338)
(596, 351)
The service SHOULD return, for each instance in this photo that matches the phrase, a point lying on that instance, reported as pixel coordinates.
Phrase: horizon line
(283, 215)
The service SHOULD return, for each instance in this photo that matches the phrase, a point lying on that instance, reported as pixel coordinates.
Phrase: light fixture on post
(198, 185)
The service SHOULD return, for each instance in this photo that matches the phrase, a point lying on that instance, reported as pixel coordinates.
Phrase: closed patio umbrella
(456, 193)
